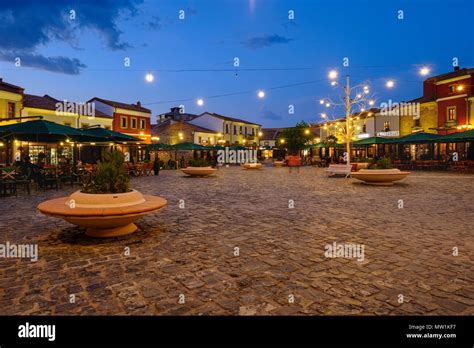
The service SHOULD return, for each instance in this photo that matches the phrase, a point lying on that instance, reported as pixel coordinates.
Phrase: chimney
(456, 68)
(139, 104)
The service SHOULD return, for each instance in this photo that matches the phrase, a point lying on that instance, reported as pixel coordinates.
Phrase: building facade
(130, 119)
(233, 131)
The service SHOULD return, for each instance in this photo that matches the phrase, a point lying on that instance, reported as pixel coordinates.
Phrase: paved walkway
(237, 248)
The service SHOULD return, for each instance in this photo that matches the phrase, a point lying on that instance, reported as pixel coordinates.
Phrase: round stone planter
(379, 176)
(278, 164)
(252, 166)
(199, 171)
(103, 215)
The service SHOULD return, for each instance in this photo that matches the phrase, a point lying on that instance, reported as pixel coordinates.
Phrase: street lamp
(390, 84)
(424, 71)
(200, 102)
(333, 74)
(149, 77)
(261, 94)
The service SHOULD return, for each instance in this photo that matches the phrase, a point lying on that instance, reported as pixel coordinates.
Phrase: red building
(131, 119)
(453, 93)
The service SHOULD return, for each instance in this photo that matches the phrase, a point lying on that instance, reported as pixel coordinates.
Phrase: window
(226, 129)
(134, 123)
(253, 131)
(235, 130)
(451, 113)
(142, 124)
(364, 128)
(245, 130)
(240, 130)
(11, 110)
(199, 140)
(452, 88)
(386, 126)
(417, 122)
(123, 122)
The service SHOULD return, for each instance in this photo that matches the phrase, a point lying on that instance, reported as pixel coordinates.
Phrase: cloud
(266, 41)
(270, 115)
(27, 25)
(59, 64)
(155, 23)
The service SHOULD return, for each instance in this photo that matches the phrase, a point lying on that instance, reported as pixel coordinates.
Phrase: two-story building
(11, 98)
(233, 131)
(131, 119)
(446, 105)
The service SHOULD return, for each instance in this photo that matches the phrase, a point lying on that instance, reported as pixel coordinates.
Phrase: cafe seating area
(22, 179)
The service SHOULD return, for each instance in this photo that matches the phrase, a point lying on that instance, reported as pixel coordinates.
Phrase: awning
(108, 134)
(458, 137)
(417, 138)
(372, 141)
(45, 131)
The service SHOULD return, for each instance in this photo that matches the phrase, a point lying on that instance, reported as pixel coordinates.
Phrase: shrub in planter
(383, 163)
(110, 176)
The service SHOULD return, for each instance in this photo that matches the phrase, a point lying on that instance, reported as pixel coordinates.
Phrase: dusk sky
(84, 57)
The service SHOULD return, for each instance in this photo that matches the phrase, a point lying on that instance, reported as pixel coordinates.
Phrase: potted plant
(295, 140)
(199, 167)
(380, 173)
(106, 205)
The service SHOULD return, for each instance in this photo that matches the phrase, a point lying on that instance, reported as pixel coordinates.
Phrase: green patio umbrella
(372, 141)
(44, 131)
(108, 134)
(458, 137)
(237, 147)
(318, 145)
(188, 146)
(417, 138)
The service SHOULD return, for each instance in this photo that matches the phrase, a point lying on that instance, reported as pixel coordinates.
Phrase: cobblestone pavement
(184, 260)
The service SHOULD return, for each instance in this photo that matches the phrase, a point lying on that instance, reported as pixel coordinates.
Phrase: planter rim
(105, 200)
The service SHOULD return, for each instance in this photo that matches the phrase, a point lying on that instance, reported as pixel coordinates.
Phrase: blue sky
(82, 58)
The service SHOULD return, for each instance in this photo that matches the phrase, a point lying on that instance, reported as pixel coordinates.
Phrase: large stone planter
(379, 176)
(199, 171)
(252, 166)
(103, 215)
(278, 164)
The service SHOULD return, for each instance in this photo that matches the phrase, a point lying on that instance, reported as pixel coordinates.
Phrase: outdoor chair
(66, 175)
(48, 179)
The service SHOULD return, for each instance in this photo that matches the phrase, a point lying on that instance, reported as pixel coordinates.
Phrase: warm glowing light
(200, 102)
(61, 143)
(180, 134)
(390, 84)
(260, 134)
(68, 141)
(155, 138)
(282, 141)
(333, 83)
(359, 95)
(318, 140)
(366, 89)
(371, 102)
(424, 71)
(92, 143)
(306, 131)
(261, 94)
(332, 74)
(219, 134)
(149, 77)
(460, 88)
(321, 101)
(323, 115)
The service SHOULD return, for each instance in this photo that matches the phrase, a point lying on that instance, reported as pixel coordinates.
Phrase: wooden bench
(339, 169)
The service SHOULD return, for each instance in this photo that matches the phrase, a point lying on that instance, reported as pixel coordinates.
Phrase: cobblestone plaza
(253, 243)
